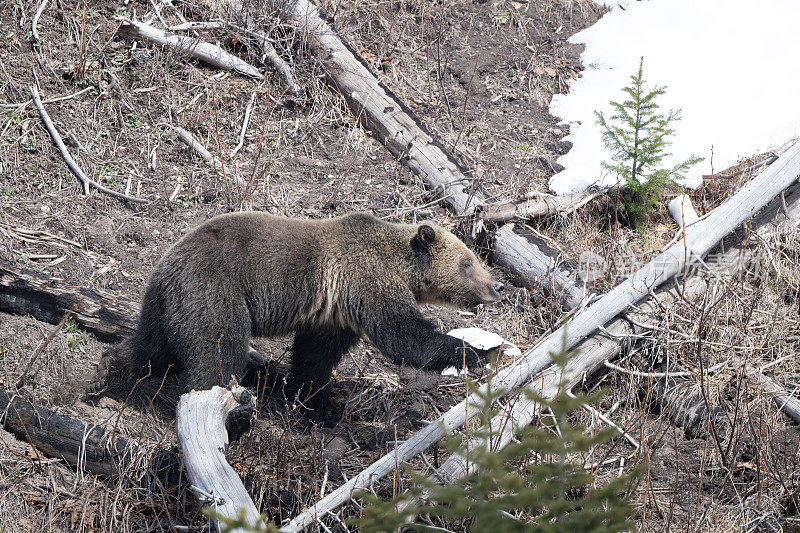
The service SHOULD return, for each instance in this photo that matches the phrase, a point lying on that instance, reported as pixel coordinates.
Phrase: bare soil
(480, 75)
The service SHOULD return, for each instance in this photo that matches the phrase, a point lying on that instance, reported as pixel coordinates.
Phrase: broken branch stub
(203, 437)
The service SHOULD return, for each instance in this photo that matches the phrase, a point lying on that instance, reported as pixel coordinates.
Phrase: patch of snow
(482, 339)
(731, 66)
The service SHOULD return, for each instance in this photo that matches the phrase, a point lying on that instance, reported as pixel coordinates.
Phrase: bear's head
(450, 273)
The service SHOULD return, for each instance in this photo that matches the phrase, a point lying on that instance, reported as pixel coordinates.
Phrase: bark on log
(203, 438)
(536, 266)
(206, 52)
(25, 292)
(539, 205)
(699, 240)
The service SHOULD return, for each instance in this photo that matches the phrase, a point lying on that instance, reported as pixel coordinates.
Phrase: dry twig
(73, 166)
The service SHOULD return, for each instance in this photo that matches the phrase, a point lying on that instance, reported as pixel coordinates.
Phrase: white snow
(731, 66)
(482, 339)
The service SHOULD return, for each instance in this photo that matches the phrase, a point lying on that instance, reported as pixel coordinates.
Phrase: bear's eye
(466, 267)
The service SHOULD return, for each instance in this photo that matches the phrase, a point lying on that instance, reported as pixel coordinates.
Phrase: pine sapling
(638, 137)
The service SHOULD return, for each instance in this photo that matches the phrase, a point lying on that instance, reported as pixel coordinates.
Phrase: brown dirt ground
(480, 74)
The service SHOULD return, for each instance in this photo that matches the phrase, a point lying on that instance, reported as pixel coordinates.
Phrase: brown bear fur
(329, 282)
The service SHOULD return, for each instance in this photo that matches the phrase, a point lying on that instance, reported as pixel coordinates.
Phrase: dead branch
(540, 205)
(21, 105)
(270, 53)
(206, 52)
(73, 166)
(207, 156)
(697, 242)
(245, 123)
(39, 349)
(195, 145)
(203, 437)
(39, 11)
(25, 292)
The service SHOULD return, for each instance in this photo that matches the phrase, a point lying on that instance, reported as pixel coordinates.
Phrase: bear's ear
(425, 235)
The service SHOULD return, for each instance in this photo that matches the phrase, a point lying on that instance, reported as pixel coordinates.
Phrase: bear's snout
(495, 293)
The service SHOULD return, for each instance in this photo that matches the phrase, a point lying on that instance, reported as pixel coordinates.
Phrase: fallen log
(536, 266)
(202, 422)
(25, 292)
(697, 242)
(206, 52)
(539, 205)
(391, 122)
(78, 443)
(382, 113)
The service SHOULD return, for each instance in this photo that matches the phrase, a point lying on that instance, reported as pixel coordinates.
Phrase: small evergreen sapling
(532, 485)
(638, 137)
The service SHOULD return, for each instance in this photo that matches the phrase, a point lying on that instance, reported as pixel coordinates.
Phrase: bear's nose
(499, 287)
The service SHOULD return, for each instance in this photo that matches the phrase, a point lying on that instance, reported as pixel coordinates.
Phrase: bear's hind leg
(212, 355)
(315, 353)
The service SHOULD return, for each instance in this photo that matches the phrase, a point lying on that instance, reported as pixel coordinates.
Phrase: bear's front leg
(405, 336)
(315, 353)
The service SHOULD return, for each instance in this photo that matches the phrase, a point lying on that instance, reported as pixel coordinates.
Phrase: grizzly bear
(329, 282)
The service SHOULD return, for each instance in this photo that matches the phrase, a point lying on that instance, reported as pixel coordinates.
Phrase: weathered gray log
(539, 205)
(536, 266)
(786, 402)
(382, 113)
(25, 292)
(698, 241)
(206, 52)
(203, 438)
